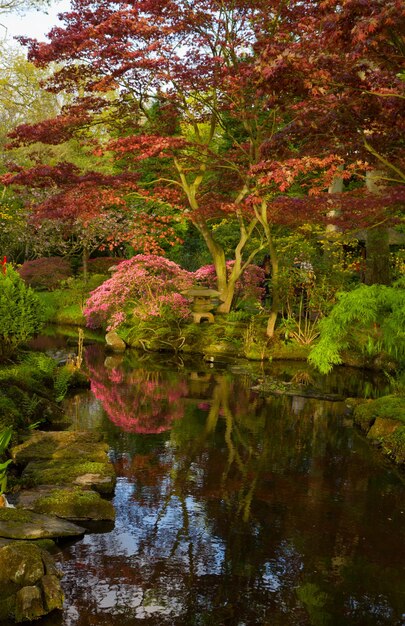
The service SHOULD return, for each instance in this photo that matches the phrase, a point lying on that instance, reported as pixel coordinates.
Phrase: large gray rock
(18, 524)
(114, 342)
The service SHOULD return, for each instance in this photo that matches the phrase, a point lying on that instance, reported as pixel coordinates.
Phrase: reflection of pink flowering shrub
(146, 285)
(138, 401)
(249, 285)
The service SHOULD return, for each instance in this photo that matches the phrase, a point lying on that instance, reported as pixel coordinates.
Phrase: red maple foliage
(244, 110)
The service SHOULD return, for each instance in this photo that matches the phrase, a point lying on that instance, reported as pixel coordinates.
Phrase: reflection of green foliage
(314, 601)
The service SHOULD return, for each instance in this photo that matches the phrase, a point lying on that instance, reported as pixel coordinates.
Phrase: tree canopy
(245, 111)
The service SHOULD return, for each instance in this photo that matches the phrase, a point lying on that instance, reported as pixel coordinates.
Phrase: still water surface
(233, 509)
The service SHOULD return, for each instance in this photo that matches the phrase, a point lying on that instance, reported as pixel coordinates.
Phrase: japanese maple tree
(219, 108)
(194, 60)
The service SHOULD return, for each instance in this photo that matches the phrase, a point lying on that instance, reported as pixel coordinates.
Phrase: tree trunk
(85, 261)
(275, 288)
(335, 187)
(377, 257)
(377, 244)
(226, 287)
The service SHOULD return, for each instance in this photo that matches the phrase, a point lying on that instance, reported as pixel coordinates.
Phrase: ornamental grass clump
(146, 286)
(20, 312)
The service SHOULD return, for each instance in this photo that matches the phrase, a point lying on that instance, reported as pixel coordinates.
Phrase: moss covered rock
(29, 582)
(60, 445)
(92, 474)
(72, 503)
(21, 563)
(384, 422)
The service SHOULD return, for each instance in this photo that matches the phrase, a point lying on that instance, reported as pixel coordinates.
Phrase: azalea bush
(146, 286)
(20, 311)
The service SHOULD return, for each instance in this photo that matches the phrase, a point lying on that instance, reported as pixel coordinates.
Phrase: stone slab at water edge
(22, 524)
(44, 445)
(72, 503)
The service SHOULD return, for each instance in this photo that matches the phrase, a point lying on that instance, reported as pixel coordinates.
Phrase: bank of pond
(168, 488)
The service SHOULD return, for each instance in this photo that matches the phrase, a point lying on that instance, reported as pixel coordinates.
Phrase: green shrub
(20, 312)
(371, 318)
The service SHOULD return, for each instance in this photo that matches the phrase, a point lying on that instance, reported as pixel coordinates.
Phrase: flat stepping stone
(72, 503)
(18, 524)
(63, 445)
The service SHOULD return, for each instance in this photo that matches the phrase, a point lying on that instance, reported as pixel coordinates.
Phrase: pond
(233, 509)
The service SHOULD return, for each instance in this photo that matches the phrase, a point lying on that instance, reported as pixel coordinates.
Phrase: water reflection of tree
(138, 400)
(249, 508)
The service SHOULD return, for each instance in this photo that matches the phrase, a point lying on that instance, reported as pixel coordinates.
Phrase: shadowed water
(232, 509)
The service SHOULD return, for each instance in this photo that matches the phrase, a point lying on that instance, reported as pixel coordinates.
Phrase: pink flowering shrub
(142, 287)
(249, 286)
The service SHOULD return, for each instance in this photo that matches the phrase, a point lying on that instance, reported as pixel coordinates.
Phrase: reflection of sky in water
(315, 500)
(144, 537)
(136, 522)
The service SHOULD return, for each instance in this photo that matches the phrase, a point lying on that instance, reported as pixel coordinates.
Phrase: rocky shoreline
(66, 477)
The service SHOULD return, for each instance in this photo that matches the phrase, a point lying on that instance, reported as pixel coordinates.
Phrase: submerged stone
(18, 524)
